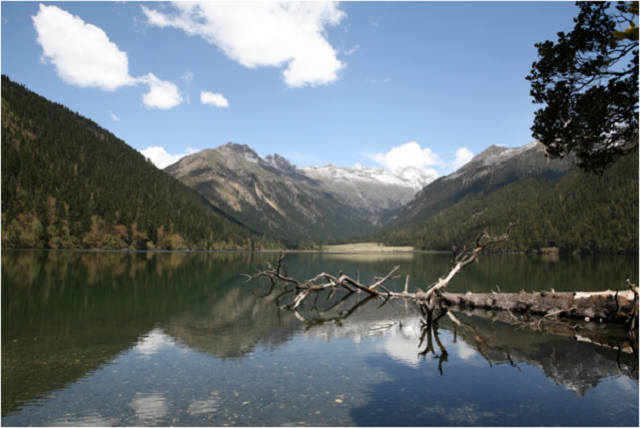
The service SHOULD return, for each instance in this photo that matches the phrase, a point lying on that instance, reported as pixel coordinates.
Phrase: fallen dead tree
(423, 298)
(610, 306)
(434, 302)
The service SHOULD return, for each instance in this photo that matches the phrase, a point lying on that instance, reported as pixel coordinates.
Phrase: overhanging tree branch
(588, 81)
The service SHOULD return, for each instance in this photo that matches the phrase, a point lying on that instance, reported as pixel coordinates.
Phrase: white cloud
(463, 155)
(84, 56)
(162, 159)
(82, 53)
(113, 116)
(432, 172)
(162, 94)
(375, 24)
(254, 34)
(410, 154)
(213, 99)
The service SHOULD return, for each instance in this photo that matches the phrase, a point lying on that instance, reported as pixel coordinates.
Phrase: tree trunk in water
(619, 306)
(603, 306)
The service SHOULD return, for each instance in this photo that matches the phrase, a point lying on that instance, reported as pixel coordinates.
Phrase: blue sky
(426, 84)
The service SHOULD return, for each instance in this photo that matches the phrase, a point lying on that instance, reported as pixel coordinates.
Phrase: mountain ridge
(274, 196)
(579, 213)
(493, 168)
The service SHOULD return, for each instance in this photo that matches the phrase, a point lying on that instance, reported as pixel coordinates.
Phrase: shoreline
(365, 247)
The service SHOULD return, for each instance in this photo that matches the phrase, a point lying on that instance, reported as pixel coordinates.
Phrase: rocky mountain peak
(495, 155)
(241, 149)
(238, 148)
(405, 177)
(280, 163)
(490, 152)
(272, 195)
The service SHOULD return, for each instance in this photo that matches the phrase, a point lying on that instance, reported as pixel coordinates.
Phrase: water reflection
(370, 258)
(67, 313)
(98, 338)
(152, 343)
(566, 358)
(150, 407)
(576, 361)
(200, 407)
(576, 365)
(94, 420)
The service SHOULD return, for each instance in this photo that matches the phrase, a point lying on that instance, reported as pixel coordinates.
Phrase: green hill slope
(579, 213)
(68, 183)
(493, 168)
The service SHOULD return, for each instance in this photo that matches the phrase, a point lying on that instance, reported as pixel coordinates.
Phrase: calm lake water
(117, 338)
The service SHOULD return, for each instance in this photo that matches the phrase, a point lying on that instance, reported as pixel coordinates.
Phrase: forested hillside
(495, 167)
(68, 183)
(579, 213)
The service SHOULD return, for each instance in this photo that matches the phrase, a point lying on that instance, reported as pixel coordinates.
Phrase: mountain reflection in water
(577, 365)
(178, 339)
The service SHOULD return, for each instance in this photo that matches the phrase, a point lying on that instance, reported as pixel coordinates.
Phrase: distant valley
(274, 197)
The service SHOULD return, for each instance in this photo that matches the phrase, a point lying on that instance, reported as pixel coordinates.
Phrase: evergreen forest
(579, 213)
(67, 183)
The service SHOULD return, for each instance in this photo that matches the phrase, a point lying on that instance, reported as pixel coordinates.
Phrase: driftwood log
(610, 306)
(434, 302)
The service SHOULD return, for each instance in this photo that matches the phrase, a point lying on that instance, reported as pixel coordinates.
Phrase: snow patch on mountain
(408, 177)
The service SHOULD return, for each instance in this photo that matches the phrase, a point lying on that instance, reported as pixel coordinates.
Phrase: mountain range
(69, 183)
(277, 198)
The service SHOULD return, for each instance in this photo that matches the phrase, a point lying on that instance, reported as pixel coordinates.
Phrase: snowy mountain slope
(372, 190)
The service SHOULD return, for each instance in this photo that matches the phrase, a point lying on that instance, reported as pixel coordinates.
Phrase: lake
(178, 338)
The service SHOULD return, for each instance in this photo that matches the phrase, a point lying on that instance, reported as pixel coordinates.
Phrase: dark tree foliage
(578, 214)
(588, 81)
(68, 183)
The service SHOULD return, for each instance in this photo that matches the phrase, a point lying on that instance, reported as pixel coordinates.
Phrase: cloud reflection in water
(153, 342)
(151, 407)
